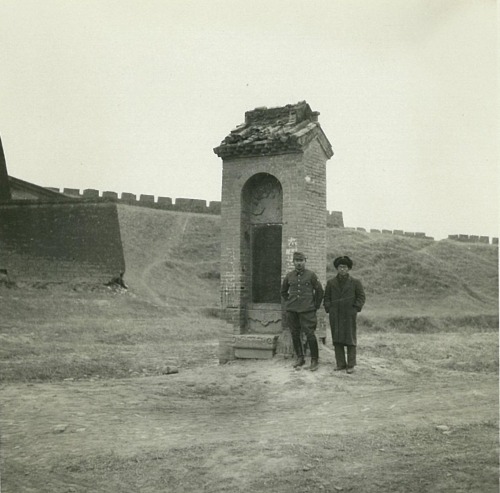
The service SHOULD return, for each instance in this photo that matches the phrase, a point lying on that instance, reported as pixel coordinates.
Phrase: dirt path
(218, 428)
(158, 276)
(258, 398)
(144, 282)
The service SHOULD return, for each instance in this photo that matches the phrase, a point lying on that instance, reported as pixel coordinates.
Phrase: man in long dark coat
(303, 293)
(344, 299)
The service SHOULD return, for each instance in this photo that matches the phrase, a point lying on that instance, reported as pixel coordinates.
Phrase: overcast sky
(132, 96)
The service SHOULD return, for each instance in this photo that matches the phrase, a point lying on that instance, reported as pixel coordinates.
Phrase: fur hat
(342, 261)
(299, 256)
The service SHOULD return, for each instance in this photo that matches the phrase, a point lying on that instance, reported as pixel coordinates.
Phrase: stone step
(255, 346)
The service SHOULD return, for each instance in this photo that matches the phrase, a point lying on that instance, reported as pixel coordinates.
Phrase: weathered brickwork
(300, 169)
(60, 242)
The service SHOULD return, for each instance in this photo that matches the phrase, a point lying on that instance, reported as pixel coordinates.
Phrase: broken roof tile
(273, 131)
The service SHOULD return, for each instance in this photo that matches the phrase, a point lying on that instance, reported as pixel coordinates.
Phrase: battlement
(144, 200)
(473, 239)
(395, 232)
(399, 232)
(334, 219)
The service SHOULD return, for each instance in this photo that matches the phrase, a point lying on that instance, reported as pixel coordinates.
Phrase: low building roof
(35, 191)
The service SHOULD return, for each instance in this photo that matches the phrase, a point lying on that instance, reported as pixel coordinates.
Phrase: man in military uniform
(344, 298)
(303, 294)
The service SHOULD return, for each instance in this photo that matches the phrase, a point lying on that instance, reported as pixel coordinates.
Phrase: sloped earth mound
(411, 277)
(171, 258)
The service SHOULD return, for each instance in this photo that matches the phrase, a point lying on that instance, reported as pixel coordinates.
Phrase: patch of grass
(444, 273)
(430, 323)
(399, 459)
(465, 351)
(81, 335)
(409, 460)
(201, 239)
(59, 367)
(94, 335)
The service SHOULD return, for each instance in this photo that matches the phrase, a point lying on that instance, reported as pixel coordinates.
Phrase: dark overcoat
(343, 304)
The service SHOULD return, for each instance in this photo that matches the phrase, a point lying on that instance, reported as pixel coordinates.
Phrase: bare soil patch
(256, 426)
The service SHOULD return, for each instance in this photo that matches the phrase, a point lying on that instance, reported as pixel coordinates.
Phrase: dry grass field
(110, 390)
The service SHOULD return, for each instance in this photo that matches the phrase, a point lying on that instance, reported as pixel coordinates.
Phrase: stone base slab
(242, 353)
(255, 346)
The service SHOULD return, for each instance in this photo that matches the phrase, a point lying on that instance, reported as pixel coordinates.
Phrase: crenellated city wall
(473, 239)
(143, 200)
(459, 237)
(334, 219)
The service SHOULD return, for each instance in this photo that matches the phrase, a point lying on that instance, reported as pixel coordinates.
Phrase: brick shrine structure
(273, 204)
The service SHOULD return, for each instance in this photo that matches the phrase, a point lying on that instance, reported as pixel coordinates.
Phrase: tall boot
(313, 344)
(297, 347)
(299, 361)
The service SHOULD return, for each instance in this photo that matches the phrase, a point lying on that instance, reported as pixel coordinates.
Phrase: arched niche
(262, 224)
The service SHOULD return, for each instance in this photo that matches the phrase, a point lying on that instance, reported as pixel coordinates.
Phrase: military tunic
(301, 291)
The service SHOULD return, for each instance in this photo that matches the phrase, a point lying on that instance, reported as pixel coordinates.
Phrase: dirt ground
(408, 420)
(256, 426)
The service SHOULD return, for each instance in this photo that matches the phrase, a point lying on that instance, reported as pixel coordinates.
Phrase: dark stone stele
(266, 269)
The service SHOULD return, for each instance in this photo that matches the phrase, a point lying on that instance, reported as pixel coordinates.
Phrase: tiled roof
(274, 131)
